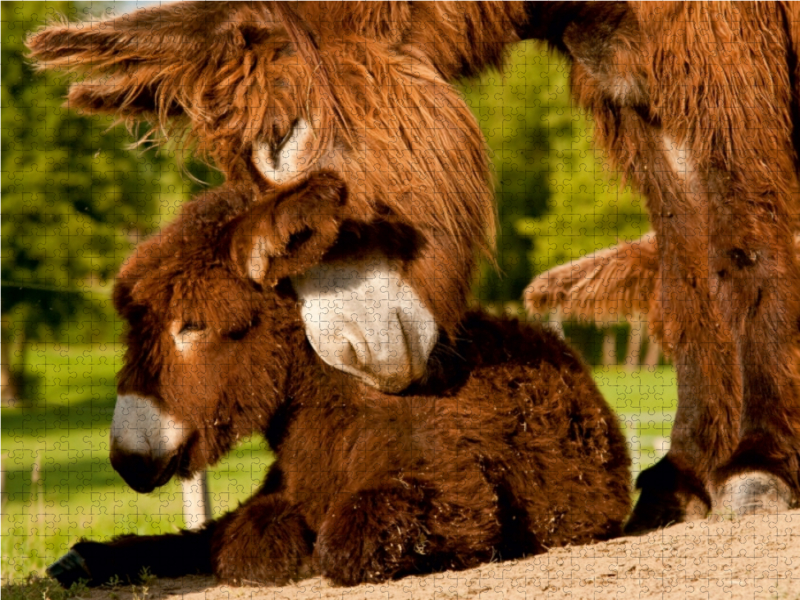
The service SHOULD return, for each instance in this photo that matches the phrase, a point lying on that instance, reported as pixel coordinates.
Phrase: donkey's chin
(145, 473)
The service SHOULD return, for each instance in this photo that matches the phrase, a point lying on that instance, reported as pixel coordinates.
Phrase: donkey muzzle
(145, 442)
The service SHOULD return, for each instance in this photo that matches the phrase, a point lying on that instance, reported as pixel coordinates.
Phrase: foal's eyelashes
(236, 333)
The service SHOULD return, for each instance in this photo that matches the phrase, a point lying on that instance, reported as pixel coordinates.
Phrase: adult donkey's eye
(280, 140)
(281, 158)
(191, 326)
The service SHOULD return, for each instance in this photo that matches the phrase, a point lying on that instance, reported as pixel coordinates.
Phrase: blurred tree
(74, 199)
(557, 200)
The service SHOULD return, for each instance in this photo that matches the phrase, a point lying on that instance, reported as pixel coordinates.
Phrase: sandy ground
(753, 557)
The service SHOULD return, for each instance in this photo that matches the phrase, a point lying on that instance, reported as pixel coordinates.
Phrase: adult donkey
(694, 102)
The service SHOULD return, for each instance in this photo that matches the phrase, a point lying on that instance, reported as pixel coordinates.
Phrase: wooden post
(196, 501)
(609, 347)
(37, 488)
(556, 323)
(653, 352)
(634, 343)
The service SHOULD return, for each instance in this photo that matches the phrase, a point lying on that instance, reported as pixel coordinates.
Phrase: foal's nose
(143, 473)
(144, 442)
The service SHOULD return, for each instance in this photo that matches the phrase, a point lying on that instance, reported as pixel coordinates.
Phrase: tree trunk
(3, 493)
(9, 382)
(609, 347)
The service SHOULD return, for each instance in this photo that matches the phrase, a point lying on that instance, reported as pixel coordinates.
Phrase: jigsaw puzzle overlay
(340, 248)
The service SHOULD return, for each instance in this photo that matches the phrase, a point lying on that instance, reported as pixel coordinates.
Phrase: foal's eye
(190, 327)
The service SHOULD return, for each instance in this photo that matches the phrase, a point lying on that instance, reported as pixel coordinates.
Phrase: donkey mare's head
(272, 95)
(213, 325)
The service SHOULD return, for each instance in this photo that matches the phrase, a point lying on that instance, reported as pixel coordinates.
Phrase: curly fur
(506, 450)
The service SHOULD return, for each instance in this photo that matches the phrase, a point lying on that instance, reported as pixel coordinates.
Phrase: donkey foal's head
(213, 325)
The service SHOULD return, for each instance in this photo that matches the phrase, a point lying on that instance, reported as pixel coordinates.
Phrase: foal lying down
(505, 450)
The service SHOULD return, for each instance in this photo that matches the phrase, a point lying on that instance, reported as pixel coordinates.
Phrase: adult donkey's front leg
(705, 430)
(755, 270)
(733, 135)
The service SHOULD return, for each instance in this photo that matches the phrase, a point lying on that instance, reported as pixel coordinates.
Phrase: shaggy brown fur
(698, 111)
(508, 449)
(694, 102)
(230, 77)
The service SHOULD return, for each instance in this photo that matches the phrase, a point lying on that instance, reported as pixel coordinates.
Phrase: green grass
(35, 587)
(80, 495)
(645, 401)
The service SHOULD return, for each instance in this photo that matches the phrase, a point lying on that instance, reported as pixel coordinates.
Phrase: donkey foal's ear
(290, 232)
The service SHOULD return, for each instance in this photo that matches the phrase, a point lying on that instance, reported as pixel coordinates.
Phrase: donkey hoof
(69, 569)
(756, 493)
(669, 495)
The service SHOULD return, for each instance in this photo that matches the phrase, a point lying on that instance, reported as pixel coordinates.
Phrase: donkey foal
(505, 450)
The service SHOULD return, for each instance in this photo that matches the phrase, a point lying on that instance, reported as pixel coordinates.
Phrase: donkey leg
(409, 526)
(372, 535)
(265, 541)
(756, 272)
(705, 430)
(125, 557)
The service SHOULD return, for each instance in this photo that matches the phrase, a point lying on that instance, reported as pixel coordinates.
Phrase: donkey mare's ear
(287, 235)
(131, 60)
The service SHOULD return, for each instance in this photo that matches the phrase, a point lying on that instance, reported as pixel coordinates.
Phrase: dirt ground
(753, 558)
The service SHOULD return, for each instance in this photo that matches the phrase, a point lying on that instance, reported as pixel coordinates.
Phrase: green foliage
(557, 199)
(75, 200)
